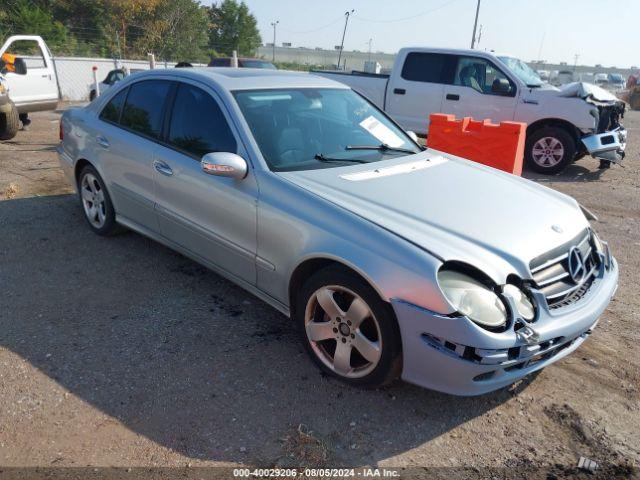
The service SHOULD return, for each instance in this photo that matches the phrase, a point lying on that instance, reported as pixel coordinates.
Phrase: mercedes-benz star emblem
(577, 268)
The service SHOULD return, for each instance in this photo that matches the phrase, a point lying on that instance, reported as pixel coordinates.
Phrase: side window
(220, 62)
(425, 67)
(198, 126)
(479, 74)
(144, 108)
(111, 111)
(30, 51)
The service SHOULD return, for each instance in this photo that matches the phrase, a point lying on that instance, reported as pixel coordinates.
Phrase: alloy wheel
(548, 152)
(343, 331)
(93, 200)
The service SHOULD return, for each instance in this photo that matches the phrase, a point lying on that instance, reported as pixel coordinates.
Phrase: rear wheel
(96, 202)
(9, 123)
(549, 150)
(347, 329)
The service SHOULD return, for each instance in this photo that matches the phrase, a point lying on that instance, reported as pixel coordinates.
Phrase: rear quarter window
(111, 111)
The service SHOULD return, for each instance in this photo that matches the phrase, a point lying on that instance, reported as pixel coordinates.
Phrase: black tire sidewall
(559, 134)
(389, 367)
(10, 123)
(110, 226)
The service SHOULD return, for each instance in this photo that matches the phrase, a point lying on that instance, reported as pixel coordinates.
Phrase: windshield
(310, 128)
(616, 78)
(257, 64)
(523, 71)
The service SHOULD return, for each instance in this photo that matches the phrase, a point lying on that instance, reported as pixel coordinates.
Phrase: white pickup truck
(563, 124)
(31, 88)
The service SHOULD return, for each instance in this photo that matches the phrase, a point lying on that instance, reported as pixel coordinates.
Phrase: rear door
(213, 217)
(127, 137)
(416, 92)
(470, 92)
(38, 89)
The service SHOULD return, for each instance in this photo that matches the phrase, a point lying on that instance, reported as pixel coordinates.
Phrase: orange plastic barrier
(498, 146)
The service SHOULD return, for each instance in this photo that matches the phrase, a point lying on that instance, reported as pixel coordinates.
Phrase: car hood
(582, 90)
(453, 208)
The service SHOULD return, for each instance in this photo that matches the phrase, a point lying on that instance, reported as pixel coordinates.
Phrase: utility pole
(479, 35)
(575, 61)
(475, 25)
(273, 24)
(344, 32)
(369, 42)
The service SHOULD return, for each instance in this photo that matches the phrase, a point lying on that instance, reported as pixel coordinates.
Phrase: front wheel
(549, 150)
(348, 330)
(9, 123)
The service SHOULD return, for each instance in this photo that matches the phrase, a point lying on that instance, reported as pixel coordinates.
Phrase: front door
(211, 217)
(472, 92)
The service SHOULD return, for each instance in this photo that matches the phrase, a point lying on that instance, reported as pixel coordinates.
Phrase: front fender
(295, 226)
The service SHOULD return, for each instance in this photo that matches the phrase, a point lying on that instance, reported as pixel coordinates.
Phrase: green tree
(26, 17)
(233, 27)
(178, 31)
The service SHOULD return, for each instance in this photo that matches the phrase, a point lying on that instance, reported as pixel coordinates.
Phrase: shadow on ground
(572, 174)
(184, 357)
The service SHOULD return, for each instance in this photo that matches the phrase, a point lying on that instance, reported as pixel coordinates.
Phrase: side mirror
(412, 136)
(501, 86)
(224, 164)
(11, 63)
(20, 66)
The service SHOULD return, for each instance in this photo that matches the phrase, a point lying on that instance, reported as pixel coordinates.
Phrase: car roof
(458, 51)
(246, 78)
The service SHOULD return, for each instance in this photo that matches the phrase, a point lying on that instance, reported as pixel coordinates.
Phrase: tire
(549, 150)
(370, 329)
(9, 123)
(96, 204)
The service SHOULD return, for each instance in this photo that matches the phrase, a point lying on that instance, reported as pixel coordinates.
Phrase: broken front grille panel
(552, 273)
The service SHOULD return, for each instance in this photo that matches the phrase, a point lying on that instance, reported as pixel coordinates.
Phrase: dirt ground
(120, 352)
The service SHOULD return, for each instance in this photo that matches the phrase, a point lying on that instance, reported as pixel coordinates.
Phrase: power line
(301, 32)
(404, 19)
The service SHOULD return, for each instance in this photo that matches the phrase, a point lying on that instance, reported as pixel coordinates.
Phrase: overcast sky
(600, 31)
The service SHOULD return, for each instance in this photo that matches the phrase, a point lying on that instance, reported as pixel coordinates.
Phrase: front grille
(551, 275)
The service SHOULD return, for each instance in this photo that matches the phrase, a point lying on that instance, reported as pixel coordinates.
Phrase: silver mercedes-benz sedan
(393, 261)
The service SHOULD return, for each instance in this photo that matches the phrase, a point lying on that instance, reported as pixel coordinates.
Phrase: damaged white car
(563, 124)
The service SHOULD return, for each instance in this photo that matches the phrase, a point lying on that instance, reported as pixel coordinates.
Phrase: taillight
(61, 134)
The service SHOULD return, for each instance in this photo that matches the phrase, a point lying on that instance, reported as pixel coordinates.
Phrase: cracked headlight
(472, 299)
(522, 303)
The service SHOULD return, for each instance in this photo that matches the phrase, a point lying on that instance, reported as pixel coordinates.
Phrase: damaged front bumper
(455, 355)
(608, 146)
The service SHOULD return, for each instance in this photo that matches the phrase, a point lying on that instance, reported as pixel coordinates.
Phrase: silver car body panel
(394, 222)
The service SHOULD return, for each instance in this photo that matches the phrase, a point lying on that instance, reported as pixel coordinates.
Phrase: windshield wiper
(383, 147)
(321, 158)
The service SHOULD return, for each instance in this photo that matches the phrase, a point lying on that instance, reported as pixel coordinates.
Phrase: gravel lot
(120, 352)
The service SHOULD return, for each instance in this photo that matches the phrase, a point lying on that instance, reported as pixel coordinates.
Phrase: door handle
(453, 96)
(102, 141)
(399, 91)
(163, 168)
